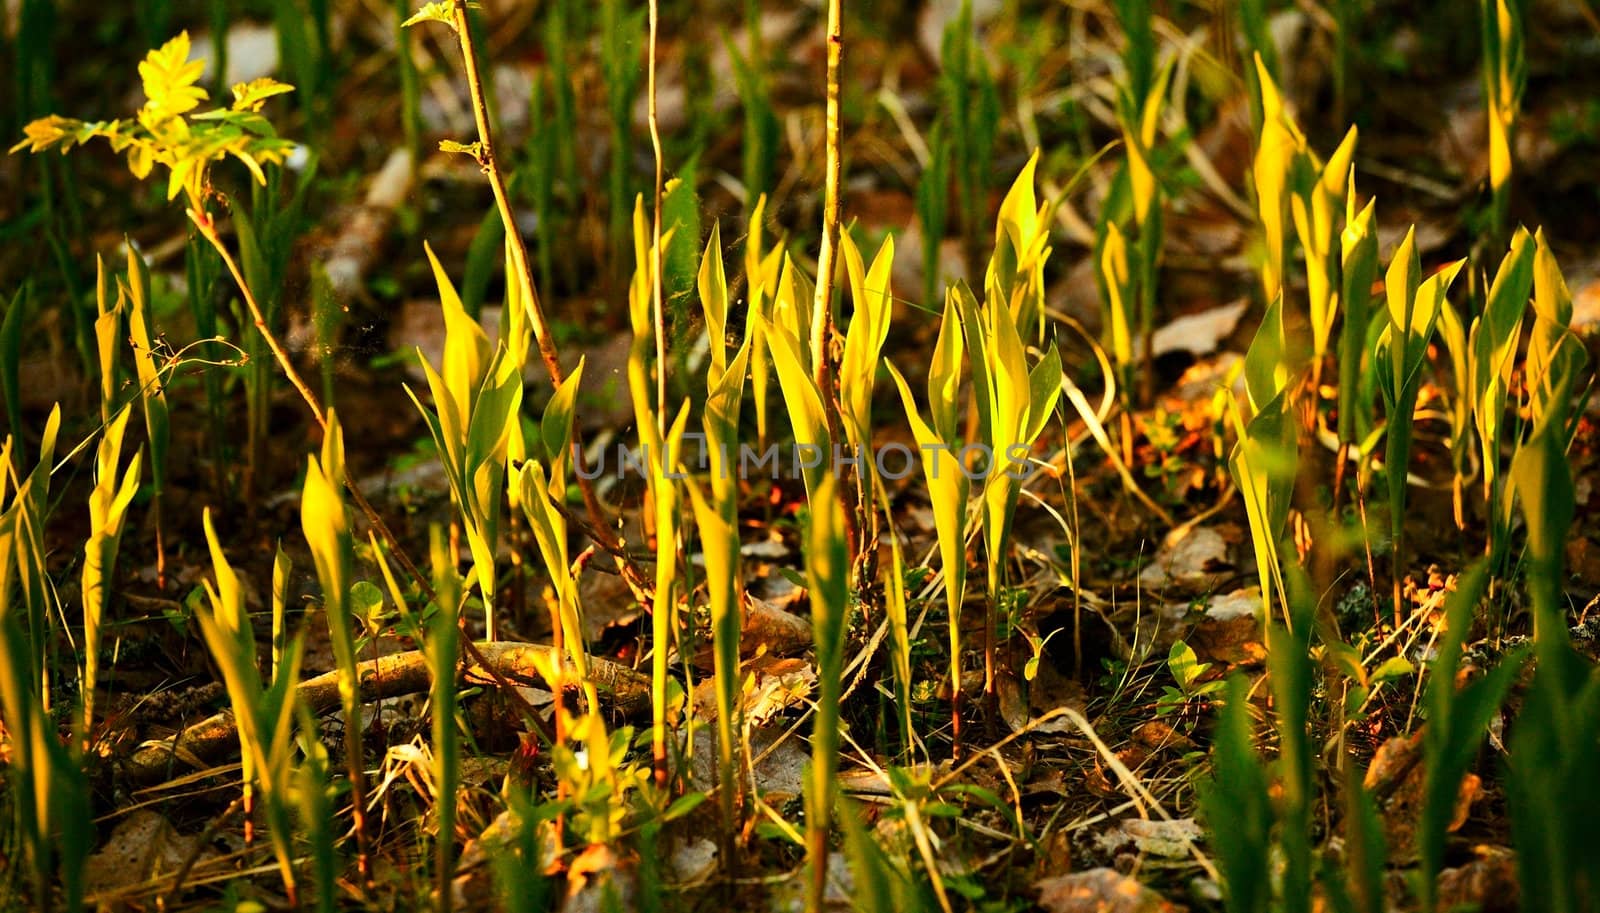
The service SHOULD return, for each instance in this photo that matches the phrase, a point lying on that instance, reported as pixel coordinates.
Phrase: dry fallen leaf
(1157, 735)
(1226, 631)
(142, 846)
(1167, 839)
(790, 895)
(779, 763)
(1013, 701)
(1049, 691)
(597, 880)
(1099, 891)
(1487, 884)
(1202, 333)
(1397, 774)
(694, 861)
(1190, 558)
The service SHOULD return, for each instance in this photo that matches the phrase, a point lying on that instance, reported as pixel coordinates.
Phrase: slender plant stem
(354, 765)
(541, 330)
(827, 264)
(822, 304)
(171, 896)
(208, 229)
(662, 625)
(655, 235)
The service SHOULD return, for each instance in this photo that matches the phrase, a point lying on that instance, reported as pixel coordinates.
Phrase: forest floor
(1077, 784)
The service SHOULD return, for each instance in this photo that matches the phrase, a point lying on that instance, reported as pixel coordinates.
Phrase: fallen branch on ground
(383, 678)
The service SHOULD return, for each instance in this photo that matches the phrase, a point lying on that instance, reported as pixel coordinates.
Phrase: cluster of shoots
(1509, 395)
(993, 385)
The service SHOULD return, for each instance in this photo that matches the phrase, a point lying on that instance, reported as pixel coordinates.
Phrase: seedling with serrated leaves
(165, 132)
(600, 779)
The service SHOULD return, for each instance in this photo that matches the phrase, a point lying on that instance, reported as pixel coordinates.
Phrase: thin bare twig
(655, 233)
(354, 767)
(541, 329)
(388, 677)
(822, 329)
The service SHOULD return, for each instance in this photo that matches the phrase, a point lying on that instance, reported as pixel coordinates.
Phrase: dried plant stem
(822, 305)
(655, 233)
(208, 229)
(661, 625)
(373, 519)
(170, 898)
(541, 330)
(389, 677)
(827, 264)
(354, 767)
